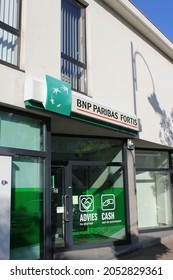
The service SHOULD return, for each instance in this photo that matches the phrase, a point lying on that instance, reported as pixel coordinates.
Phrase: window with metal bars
(10, 31)
(73, 45)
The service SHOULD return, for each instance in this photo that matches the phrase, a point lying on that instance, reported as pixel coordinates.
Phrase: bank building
(86, 127)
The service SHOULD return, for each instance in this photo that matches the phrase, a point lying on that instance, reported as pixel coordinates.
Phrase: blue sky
(159, 12)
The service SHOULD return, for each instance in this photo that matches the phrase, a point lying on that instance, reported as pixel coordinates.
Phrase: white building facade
(86, 133)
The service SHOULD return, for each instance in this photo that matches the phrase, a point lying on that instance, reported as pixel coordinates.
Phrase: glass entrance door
(88, 204)
(60, 204)
(98, 202)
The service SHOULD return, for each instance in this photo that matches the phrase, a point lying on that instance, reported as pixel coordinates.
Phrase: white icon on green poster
(86, 203)
(108, 202)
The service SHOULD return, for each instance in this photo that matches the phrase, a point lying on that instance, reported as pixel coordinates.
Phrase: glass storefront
(18, 131)
(98, 204)
(23, 139)
(95, 192)
(89, 149)
(88, 188)
(154, 191)
(26, 207)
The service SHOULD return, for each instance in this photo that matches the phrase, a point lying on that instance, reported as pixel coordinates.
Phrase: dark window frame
(73, 63)
(16, 32)
(46, 157)
(168, 169)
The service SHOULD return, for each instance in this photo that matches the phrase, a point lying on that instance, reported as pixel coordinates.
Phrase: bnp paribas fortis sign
(60, 99)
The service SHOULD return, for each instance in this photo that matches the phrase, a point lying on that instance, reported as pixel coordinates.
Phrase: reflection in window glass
(21, 132)
(9, 47)
(154, 197)
(26, 208)
(152, 159)
(73, 148)
(98, 204)
(10, 31)
(73, 45)
(9, 12)
(74, 74)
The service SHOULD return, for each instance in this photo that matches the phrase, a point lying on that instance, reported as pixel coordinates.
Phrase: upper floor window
(9, 31)
(73, 45)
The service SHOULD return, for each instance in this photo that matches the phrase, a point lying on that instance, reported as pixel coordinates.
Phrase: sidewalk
(153, 247)
(158, 245)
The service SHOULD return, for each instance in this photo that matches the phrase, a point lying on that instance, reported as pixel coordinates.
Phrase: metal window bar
(9, 12)
(74, 73)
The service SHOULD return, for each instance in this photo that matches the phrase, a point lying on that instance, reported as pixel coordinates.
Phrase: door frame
(67, 195)
(68, 165)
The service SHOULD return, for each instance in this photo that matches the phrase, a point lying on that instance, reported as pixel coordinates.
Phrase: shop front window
(18, 131)
(88, 149)
(26, 207)
(154, 192)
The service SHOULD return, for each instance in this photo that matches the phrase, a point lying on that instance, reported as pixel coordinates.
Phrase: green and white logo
(86, 203)
(108, 202)
(58, 96)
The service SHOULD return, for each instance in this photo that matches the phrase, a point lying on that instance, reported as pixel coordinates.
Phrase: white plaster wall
(11, 86)
(112, 80)
(153, 94)
(41, 38)
(109, 63)
(109, 59)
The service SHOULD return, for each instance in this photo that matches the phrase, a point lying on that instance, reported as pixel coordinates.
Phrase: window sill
(11, 65)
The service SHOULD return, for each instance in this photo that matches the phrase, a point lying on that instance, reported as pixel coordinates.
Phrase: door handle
(66, 211)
